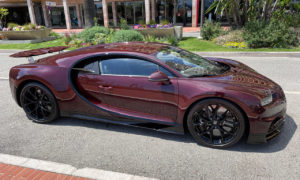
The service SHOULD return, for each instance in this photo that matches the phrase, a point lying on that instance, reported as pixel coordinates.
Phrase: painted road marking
(67, 169)
(292, 92)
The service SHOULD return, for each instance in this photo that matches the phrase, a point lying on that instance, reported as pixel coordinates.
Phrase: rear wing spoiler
(36, 52)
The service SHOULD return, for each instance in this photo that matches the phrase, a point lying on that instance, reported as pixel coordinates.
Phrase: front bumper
(269, 124)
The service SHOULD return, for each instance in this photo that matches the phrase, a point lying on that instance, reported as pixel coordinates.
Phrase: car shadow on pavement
(277, 144)
(65, 121)
(274, 145)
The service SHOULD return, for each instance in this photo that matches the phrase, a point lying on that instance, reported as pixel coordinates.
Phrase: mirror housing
(159, 76)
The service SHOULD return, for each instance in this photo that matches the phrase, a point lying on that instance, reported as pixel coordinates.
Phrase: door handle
(105, 88)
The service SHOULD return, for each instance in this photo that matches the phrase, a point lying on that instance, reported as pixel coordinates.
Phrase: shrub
(54, 34)
(123, 24)
(141, 22)
(152, 22)
(95, 21)
(150, 38)
(269, 34)
(164, 22)
(293, 19)
(32, 26)
(211, 30)
(12, 25)
(230, 36)
(100, 38)
(77, 43)
(172, 41)
(67, 39)
(126, 36)
(88, 35)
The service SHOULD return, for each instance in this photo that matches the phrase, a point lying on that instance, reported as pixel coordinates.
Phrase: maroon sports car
(152, 85)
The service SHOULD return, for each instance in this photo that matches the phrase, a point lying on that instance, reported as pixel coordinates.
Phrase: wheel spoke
(28, 99)
(223, 116)
(225, 125)
(208, 113)
(29, 103)
(42, 111)
(222, 136)
(34, 109)
(31, 94)
(45, 109)
(225, 131)
(211, 136)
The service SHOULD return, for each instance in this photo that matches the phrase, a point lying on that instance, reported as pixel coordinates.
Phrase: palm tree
(89, 12)
(245, 10)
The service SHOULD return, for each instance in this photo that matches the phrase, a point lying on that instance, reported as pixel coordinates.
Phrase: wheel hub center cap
(215, 122)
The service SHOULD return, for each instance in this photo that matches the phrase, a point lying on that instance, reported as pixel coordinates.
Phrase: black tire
(216, 123)
(39, 103)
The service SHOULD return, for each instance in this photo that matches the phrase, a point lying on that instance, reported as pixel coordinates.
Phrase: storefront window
(57, 17)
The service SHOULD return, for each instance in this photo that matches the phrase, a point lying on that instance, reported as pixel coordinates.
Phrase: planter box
(25, 35)
(162, 32)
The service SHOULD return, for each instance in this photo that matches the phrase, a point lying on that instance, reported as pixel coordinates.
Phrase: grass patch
(57, 42)
(190, 43)
(196, 45)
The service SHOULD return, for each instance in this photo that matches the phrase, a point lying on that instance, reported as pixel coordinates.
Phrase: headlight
(267, 100)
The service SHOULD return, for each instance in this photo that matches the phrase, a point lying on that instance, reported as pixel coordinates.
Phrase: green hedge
(88, 35)
(275, 34)
(126, 36)
(211, 30)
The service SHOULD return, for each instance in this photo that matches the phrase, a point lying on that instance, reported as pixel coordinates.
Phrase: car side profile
(152, 85)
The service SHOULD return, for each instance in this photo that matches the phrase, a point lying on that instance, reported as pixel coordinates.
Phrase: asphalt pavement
(148, 153)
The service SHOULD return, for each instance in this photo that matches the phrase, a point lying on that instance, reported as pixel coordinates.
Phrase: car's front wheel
(216, 123)
(38, 103)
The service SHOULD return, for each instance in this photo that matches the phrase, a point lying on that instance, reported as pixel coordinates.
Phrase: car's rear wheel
(216, 123)
(38, 103)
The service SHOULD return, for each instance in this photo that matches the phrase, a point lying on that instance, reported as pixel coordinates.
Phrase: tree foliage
(3, 12)
(248, 10)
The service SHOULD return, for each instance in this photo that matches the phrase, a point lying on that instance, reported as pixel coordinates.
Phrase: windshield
(187, 63)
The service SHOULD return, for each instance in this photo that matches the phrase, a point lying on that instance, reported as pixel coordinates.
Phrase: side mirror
(159, 76)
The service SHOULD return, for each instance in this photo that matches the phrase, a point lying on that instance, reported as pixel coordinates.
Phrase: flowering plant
(27, 27)
(147, 26)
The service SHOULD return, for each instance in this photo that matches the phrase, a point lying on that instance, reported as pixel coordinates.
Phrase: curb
(251, 54)
(67, 169)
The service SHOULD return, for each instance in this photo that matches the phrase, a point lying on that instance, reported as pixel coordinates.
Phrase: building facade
(69, 13)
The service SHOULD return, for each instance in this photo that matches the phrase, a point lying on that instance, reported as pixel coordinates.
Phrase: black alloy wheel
(216, 123)
(38, 103)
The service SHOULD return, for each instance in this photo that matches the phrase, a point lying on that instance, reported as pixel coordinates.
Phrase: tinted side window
(92, 66)
(127, 66)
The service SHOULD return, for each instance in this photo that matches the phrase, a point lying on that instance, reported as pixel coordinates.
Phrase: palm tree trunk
(232, 11)
(237, 12)
(174, 11)
(227, 17)
(245, 9)
(266, 10)
(89, 12)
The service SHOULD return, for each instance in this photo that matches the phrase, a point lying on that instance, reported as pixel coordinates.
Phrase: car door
(123, 87)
